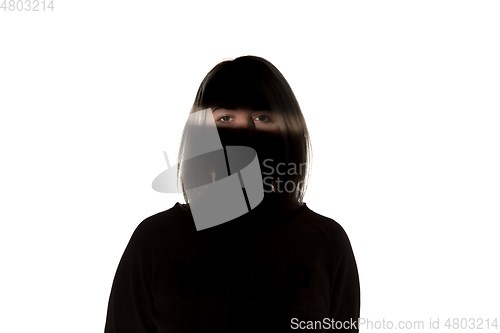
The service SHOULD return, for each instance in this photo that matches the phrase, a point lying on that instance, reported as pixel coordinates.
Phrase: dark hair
(256, 81)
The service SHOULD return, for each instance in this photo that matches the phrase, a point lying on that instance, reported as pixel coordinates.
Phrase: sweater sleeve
(130, 306)
(345, 304)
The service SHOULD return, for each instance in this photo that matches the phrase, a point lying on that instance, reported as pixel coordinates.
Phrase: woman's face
(243, 117)
(244, 125)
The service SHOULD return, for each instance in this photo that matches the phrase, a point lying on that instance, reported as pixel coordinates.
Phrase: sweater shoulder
(332, 231)
(174, 219)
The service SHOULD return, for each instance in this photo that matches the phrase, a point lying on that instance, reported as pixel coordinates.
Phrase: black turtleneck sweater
(280, 276)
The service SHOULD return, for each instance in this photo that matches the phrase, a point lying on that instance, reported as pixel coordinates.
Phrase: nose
(246, 124)
(240, 134)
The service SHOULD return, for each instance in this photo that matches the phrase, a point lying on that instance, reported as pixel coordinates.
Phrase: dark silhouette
(278, 268)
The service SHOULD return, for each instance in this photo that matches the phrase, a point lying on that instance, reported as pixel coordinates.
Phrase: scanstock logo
(221, 182)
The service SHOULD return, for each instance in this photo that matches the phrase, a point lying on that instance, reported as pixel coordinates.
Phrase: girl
(277, 268)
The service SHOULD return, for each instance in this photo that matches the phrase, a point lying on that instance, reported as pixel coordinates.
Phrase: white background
(401, 99)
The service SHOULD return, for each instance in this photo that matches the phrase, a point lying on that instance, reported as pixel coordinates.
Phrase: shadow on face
(243, 117)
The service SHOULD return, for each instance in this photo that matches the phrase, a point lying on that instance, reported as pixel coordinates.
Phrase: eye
(225, 119)
(263, 119)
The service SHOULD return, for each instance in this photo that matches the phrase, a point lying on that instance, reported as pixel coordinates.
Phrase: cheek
(272, 128)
